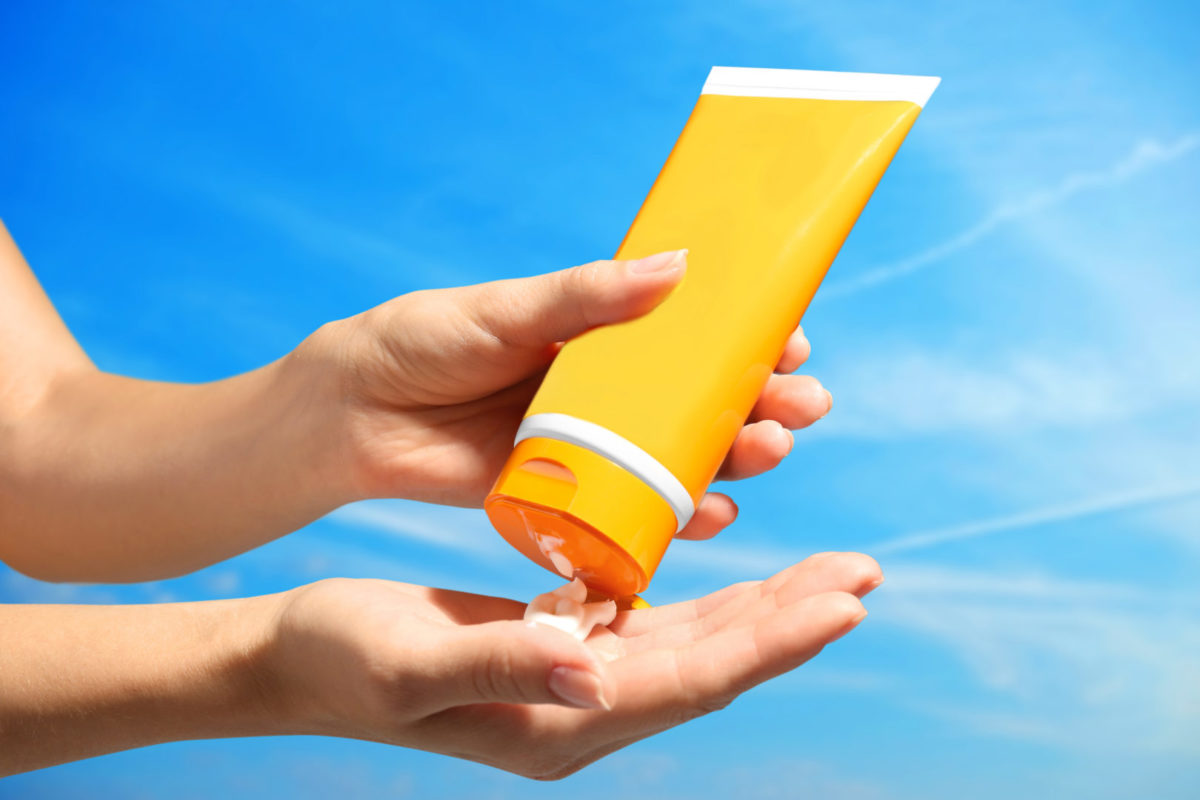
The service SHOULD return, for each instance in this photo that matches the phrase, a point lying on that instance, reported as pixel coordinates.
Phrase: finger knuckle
(404, 306)
(702, 703)
(416, 310)
(553, 768)
(558, 774)
(698, 700)
(590, 278)
(496, 677)
(807, 384)
(548, 760)
(696, 707)
(717, 702)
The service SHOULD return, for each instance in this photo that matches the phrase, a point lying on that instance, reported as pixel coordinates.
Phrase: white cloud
(913, 391)
(733, 562)
(1146, 154)
(812, 677)
(1094, 506)
(794, 777)
(629, 773)
(1076, 664)
(319, 232)
(1070, 663)
(18, 588)
(1165, 509)
(465, 531)
(222, 582)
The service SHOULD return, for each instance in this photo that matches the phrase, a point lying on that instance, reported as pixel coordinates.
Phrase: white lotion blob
(567, 609)
(550, 546)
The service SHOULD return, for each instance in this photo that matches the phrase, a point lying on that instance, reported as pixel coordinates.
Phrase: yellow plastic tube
(633, 420)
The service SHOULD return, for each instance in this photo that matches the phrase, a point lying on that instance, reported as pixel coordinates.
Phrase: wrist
(245, 672)
(309, 683)
(255, 672)
(333, 364)
(316, 378)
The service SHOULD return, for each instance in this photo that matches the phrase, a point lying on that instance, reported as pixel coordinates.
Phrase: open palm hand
(461, 674)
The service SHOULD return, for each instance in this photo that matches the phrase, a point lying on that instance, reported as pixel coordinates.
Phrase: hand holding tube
(418, 398)
(437, 381)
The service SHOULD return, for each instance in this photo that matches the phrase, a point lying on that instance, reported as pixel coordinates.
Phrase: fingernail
(659, 262)
(578, 687)
(791, 440)
(828, 402)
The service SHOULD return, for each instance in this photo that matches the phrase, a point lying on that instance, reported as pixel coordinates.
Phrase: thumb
(517, 662)
(557, 306)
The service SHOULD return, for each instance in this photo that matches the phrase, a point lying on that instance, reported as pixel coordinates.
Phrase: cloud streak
(456, 529)
(1105, 504)
(742, 562)
(1053, 659)
(1145, 155)
(1059, 658)
(899, 392)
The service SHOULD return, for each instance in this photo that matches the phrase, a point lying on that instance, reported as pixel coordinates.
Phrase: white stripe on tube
(817, 85)
(617, 449)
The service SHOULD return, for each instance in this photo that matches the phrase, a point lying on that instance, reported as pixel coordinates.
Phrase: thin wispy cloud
(1145, 155)
(319, 232)
(741, 562)
(897, 391)
(464, 531)
(1058, 656)
(737, 562)
(1105, 504)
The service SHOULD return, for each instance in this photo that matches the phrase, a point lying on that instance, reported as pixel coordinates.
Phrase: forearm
(110, 478)
(79, 681)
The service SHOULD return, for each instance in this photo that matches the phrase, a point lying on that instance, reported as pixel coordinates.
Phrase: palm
(670, 664)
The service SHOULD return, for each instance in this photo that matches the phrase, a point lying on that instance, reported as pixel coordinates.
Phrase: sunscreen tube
(633, 420)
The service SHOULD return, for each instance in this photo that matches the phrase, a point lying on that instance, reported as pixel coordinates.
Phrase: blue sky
(1011, 335)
